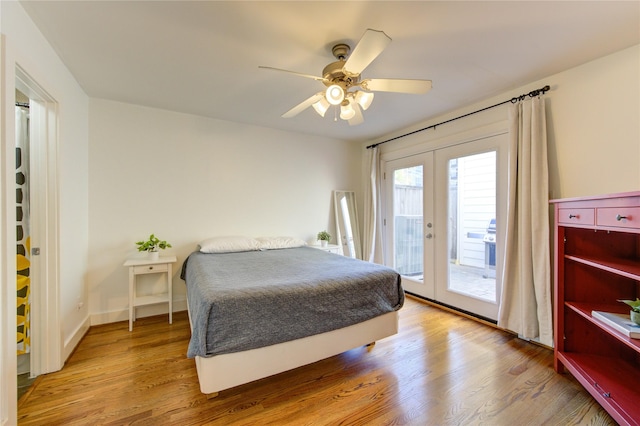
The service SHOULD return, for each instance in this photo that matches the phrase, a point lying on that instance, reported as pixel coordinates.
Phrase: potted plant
(152, 245)
(635, 309)
(324, 237)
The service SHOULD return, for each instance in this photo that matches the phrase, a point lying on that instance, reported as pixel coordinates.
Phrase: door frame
(49, 335)
(462, 138)
(46, 330)
(8, 366)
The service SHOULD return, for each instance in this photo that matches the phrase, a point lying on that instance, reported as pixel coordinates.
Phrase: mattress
(247, 300)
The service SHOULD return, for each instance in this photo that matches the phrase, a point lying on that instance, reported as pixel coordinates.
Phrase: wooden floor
(441, 369)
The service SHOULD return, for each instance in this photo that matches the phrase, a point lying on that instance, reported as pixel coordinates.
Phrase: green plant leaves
(635, 304)
(152, 244)
(323, 235)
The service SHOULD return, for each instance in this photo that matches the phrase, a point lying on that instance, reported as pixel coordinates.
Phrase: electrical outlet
(80, 305)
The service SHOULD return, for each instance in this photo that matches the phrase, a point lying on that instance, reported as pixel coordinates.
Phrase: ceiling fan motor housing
(334, 73)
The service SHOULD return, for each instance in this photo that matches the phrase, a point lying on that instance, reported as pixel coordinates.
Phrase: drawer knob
(150, 268)
(620, 217)
(573, 216)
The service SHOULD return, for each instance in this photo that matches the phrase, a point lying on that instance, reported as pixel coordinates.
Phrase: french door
(443, 227)
(408, 221)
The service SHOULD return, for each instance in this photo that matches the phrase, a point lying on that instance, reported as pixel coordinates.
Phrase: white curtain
(526, 290)
(372, 247)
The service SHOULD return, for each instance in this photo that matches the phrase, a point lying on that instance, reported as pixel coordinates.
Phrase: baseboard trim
(453, 309)
(72, 342)
(141, 312)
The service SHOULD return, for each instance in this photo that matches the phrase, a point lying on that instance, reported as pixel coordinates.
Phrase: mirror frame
(349, 198)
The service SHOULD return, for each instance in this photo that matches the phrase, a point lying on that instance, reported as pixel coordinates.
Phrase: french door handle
(429, 236)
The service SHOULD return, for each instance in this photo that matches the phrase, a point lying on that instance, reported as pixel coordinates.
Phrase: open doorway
(23, 244)
(37, 230)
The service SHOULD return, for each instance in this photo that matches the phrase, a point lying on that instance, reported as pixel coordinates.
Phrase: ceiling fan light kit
(321, 106)
(334, 94)
(346, 110)
(344, 74)
(364, 99)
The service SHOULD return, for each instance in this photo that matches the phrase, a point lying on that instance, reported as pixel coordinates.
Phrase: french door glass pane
(408, 227)
(472, 225)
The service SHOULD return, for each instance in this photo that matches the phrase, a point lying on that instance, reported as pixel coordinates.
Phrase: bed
(270, 307)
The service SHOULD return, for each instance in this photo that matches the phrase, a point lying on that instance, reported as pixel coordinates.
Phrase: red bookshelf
(597, 248)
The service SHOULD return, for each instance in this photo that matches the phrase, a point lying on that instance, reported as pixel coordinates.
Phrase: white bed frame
(225, 371)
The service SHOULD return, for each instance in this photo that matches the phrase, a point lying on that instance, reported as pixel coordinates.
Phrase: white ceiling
(202, 57)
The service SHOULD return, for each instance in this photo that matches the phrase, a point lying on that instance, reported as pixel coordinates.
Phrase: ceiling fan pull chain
(335, 114)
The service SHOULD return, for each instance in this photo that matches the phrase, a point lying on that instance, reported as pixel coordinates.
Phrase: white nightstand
(147, 266)
(331, 248)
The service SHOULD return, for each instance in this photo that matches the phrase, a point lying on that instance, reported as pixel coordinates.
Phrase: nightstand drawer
(619, 217)
(329, 248)
(576, 216)
(150, 269)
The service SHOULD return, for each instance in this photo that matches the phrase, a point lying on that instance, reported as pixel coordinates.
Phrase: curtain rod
(20, 104)
(433, 126)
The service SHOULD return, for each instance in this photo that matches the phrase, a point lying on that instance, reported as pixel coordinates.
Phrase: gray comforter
(247, 300)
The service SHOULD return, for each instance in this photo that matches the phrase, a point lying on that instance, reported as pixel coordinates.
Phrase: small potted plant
(635, 309)
(152, 245)
(324, 237)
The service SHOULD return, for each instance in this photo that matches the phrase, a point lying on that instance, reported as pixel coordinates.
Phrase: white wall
(36, 57)
(26, 47)
(186, 178)
(594, 117)
(593, 121)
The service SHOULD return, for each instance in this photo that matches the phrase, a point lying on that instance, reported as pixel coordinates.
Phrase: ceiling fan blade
(358, 118)
(396, 85)
(303, 105)
(315, 77)
(371, 44)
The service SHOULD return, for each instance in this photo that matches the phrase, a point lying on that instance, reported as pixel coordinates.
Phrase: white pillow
(272, 243)
(229, 244)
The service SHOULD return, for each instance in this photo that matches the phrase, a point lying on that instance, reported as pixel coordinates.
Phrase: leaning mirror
(347, 223)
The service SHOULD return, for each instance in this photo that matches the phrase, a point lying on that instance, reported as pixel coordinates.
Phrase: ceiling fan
(341, 76)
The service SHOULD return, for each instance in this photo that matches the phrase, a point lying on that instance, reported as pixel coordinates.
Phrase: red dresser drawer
(619, 217)
(576, 216)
